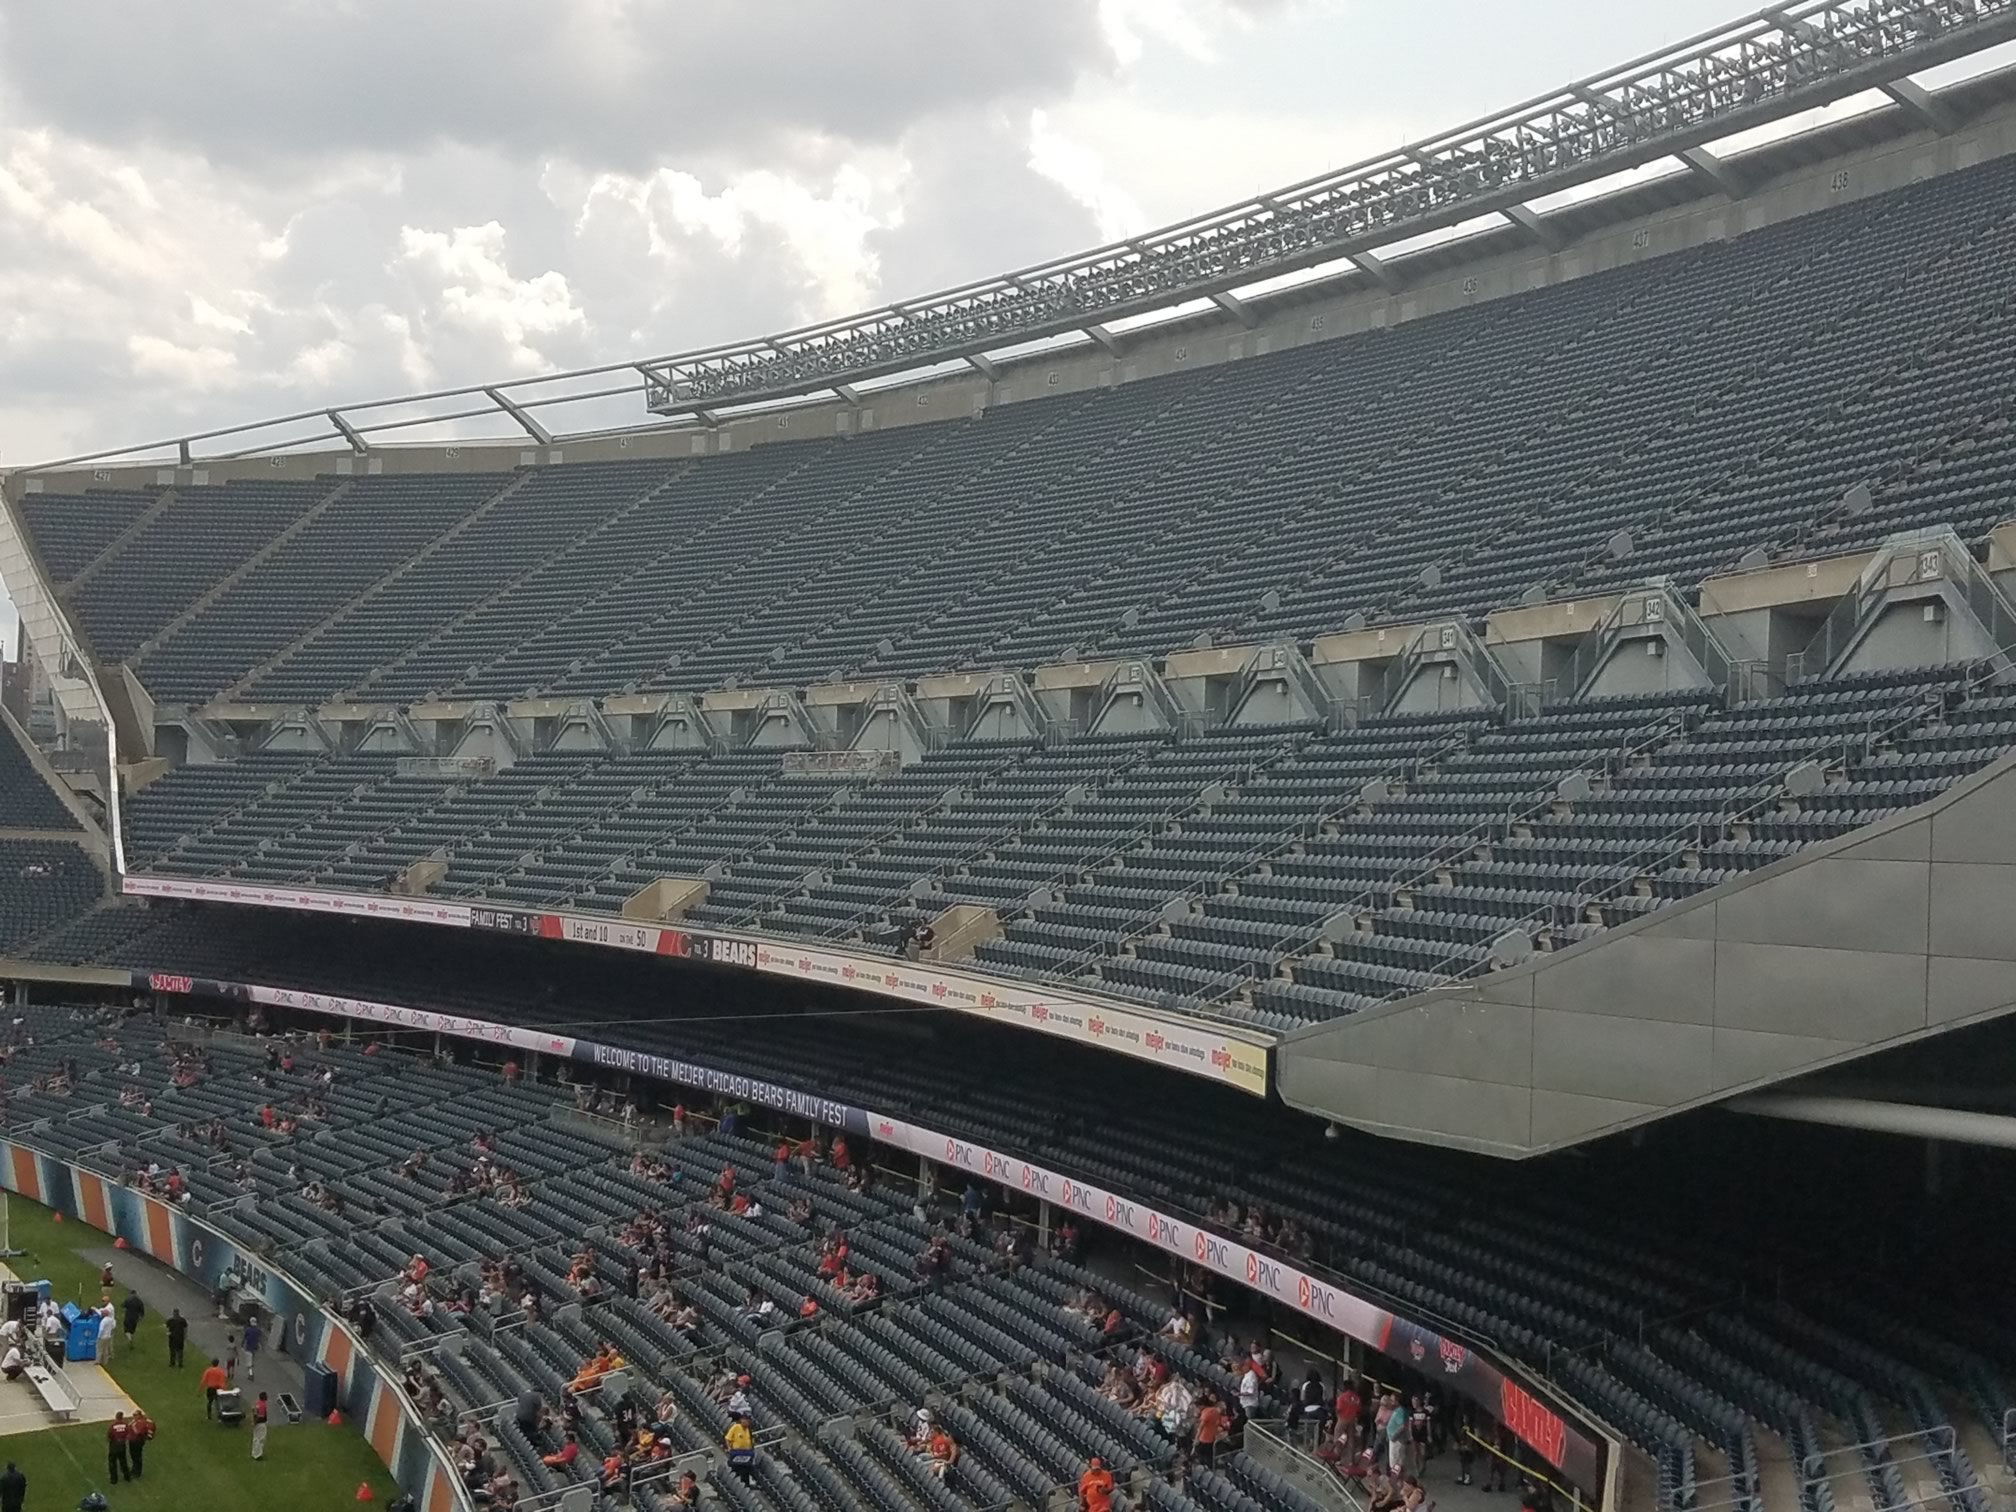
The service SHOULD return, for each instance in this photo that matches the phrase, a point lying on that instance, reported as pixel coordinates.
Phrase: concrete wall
(1890, 934)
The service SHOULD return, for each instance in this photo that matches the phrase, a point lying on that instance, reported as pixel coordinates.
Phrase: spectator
(1348, 1408)
(1250, 1388)
(563, 1458)
(1312, 1402)
(1396, 1435)
(942, 1452)
(1095, 1487)
(178, 1336)
(741, 1446)
(1210, 1430)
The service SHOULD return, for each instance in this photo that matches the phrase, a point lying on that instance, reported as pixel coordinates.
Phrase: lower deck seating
(1638, 1298)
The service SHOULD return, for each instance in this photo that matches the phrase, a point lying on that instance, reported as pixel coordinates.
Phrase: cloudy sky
(218, 212)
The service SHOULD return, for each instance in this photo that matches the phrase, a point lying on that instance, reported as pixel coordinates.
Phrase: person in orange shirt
(1210, 1429)
(215, 1379)
(1095, 1487)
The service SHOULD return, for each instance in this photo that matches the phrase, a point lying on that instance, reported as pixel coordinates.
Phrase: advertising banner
(807, 1105)
(1181, 1045)
(300, 1326)
(614, 934)
(422, 1019)
(300, 899)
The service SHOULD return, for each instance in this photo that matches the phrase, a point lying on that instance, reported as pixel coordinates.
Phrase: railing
(1273, 1439)
(1655, 602)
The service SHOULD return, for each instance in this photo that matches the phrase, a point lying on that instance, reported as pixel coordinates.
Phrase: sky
(217, 213)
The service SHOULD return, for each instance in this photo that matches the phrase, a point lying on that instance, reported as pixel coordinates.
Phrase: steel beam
(1537, 228)
(1712, 171)
(518, 412)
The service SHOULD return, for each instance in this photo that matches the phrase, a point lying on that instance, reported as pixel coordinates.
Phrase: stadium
(1364, 831)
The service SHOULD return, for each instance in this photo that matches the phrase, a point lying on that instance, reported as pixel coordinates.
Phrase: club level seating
(26, 801)
(1705, 406)
(43, 884)
(1253, 873)
(1609, 1291)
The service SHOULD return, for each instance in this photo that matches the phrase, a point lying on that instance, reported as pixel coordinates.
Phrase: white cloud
(1081, 173)
(471, 287)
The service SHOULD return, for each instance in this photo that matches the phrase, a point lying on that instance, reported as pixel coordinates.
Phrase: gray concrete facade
(1893, 933)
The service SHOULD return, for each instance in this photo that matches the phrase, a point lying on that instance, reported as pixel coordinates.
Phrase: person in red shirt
(781, 1160)
(840, 1156)
(1210, 1429)
(140, 1428)
(1095, 1487)
(267, 1116)
(564, 1456)
(809, 1308)
(1349, 1405)
(118, 1434)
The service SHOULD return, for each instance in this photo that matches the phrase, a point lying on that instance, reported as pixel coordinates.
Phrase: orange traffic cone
(335, 1418)
(364, 1491)
(55, 1217)
(120, 1242)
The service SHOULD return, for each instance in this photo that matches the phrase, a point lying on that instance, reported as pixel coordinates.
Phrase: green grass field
(192, 1465)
